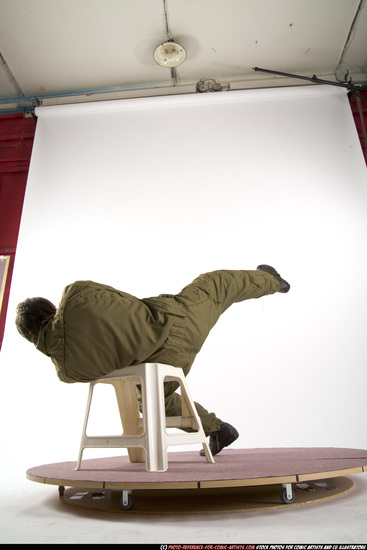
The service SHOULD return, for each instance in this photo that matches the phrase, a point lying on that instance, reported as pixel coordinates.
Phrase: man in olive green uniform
(97, 329)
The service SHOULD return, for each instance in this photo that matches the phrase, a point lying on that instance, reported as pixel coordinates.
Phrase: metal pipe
(314, 78)
(11, 76)
(351, 30)
(29, 103)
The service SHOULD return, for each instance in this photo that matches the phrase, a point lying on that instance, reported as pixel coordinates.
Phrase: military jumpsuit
(98, 329)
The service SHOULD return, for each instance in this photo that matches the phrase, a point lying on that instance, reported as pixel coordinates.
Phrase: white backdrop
(146, 194)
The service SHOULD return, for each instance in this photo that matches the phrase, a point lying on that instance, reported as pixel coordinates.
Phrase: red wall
(16, 140)
(358, 107)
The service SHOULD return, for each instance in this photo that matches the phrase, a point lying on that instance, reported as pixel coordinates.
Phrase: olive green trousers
(198, 307)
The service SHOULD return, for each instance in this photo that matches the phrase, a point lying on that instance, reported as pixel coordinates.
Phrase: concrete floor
(31, 513)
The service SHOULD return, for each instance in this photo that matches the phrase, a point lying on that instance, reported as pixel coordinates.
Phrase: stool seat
(145, 434)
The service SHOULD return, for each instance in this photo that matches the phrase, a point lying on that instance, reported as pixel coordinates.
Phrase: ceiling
(67, 51)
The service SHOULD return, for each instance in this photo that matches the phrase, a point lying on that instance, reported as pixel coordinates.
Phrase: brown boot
(226, 435)
(284, 286)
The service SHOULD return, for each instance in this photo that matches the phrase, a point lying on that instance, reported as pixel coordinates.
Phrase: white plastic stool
(147, 432)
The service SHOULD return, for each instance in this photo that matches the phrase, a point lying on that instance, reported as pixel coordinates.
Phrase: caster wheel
(127, 505)
(61, 490)
(285, 498)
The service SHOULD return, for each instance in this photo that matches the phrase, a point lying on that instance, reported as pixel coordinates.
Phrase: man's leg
(209, 421)
(211, 294)
(202, 303)
(173, 407)
(206, 299)
(226, 287)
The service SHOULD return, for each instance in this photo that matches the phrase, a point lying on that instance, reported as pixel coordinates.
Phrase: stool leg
(208, 453)
(155, 420)
(189, 410)
(127, 403)
(85, 424)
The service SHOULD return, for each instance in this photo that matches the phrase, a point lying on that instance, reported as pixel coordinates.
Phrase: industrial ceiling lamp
(169, 54)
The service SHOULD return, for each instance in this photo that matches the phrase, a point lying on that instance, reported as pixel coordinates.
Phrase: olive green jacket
(98, 329)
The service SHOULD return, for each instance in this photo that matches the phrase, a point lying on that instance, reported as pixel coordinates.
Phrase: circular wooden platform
(240, 480)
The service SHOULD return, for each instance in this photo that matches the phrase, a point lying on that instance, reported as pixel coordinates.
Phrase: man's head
(32, 314)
